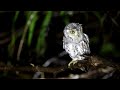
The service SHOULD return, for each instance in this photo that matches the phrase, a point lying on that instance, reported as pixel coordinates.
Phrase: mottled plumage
(75, 42)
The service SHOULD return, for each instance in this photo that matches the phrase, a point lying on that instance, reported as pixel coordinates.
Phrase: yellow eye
(72, 31)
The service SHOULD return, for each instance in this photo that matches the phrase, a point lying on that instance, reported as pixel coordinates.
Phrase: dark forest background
(36, 36)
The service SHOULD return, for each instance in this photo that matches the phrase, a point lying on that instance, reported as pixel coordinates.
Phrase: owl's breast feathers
(78, 47)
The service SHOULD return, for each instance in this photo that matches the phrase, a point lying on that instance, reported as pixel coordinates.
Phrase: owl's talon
(73, 63)
(69, 65)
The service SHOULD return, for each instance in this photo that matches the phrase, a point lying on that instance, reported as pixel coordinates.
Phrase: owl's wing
(86, 38)
(84, 47)
(85, 44)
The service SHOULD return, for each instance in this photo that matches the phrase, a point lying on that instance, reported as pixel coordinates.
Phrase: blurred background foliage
(35, 36)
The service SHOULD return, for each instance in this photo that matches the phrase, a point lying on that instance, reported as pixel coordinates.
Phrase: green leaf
(107, 48)
(13, 36)
(62, 13)
(16, 16)
(40, 46)
(31, 28)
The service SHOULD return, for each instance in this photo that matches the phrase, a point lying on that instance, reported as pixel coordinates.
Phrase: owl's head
(73, 30)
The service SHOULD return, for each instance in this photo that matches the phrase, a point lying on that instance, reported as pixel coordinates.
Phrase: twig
(33, 69)
(24, 34)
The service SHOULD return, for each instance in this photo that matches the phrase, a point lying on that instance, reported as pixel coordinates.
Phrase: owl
(75, 42)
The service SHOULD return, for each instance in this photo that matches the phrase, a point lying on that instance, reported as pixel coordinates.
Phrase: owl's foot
(77, 64)
(72, 62)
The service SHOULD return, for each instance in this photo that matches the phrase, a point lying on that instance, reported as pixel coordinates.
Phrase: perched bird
(75, 42)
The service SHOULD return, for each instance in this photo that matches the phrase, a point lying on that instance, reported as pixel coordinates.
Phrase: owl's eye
(72, 31)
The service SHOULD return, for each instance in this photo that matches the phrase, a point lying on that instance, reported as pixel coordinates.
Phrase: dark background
(102, 27)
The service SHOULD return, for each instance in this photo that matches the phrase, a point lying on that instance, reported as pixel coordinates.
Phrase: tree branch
(96, 67)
